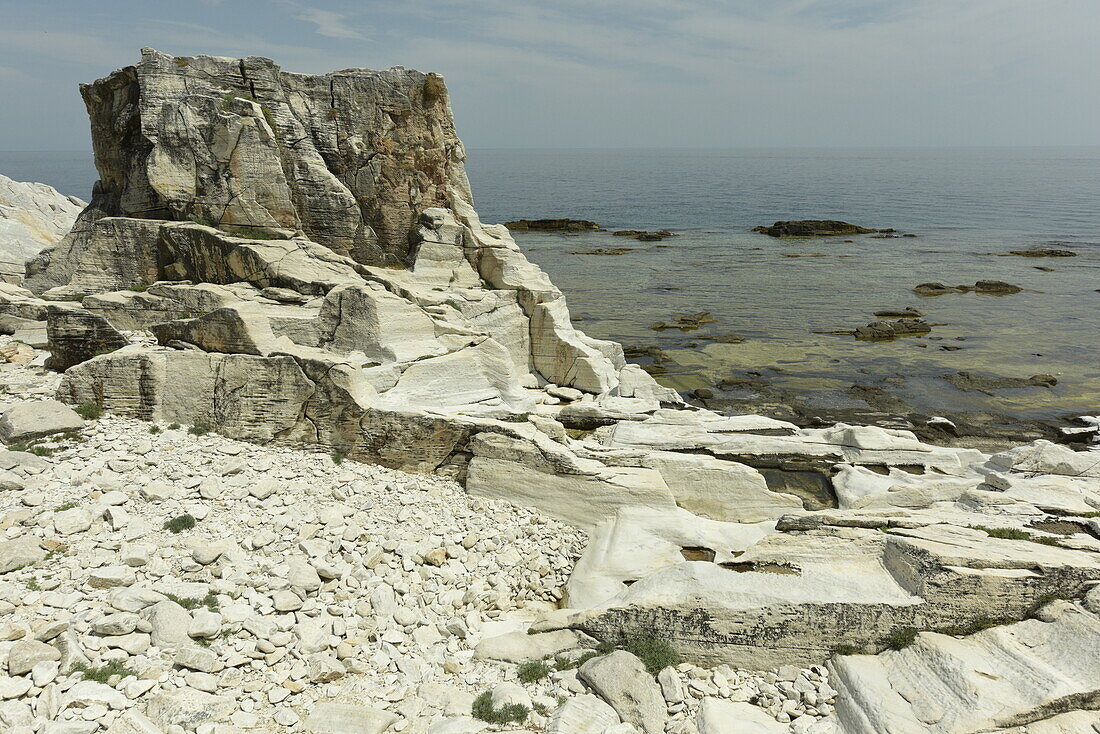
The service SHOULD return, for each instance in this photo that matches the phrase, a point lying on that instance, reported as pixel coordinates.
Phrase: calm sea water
(964, 205)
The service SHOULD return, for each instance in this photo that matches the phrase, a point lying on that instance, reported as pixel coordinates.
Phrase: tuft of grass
(901, 639)
(56, 552)
(41, 451)
(513, 713)
(90, 411)
(173, 426)
(1015, 534)
(32, 584)
(251, 232)
(533, 671)
(154, 429)
(846, 649)
(65, 506)
(103, 673)
(19, 446)
(200, 428)
(210, 601)
(1089, 514)
(178, 524)
(338, 457)
(655, 652)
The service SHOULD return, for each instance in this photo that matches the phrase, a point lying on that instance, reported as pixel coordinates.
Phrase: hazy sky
(615, 73)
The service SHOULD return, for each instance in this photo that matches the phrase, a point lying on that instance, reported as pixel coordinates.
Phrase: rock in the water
(552, 225)
(33, 419)
(621, 679)
(987, 287)
(888, 330)
(814, 228)
(1043, 252)
(967, 381)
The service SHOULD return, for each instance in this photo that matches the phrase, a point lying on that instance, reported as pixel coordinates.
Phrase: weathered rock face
(306, 253)
(32, 216)
(350, 158)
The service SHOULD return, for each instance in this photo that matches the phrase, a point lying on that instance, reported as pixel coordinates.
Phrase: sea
(967, 208)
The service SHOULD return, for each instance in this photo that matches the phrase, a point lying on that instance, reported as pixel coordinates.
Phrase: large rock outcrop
(306, 254)
(33, 216)
(315, 236)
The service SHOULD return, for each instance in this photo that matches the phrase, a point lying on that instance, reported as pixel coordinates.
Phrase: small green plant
(41, 451)
(338, 457)
(32, 584)
(901, 639)
(846, 649)
(533, 671)
(1003, 533)
(90, 411)
(58, 551)
(1015, 534)
(513, 713)
(178, 524)
(65, 506)
(19, 446)
(103, 673)
(173, 426)
(154, 429)
(200, 428)
(210, 601)
(1089, 514)
(250, 232)
(656, 653)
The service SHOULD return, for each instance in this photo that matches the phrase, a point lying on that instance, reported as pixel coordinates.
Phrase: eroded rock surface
(33, 216)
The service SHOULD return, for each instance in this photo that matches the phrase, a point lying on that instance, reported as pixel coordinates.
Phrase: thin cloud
(330, 24)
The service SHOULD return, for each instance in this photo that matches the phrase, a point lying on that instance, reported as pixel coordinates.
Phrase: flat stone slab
(36, 419)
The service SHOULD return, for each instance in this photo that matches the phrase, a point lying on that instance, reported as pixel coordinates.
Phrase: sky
(615, 73)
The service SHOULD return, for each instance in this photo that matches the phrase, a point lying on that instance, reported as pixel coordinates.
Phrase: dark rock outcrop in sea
(986, 287)
(814, 228)
(553, 225)
(1042, 252)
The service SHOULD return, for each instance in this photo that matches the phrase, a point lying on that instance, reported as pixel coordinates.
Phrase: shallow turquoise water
(963, 204)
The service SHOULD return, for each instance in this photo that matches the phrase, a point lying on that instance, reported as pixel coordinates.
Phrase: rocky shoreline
(323, 453)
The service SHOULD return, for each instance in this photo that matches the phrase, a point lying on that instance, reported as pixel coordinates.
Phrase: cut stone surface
(622, 680)
(33, 419)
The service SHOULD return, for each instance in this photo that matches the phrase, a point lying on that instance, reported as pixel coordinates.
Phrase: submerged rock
(814, 228)
(553, 225)
(988, 287)
(643, 235)
(1043, 252)
(888, 330)
(967, 381)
